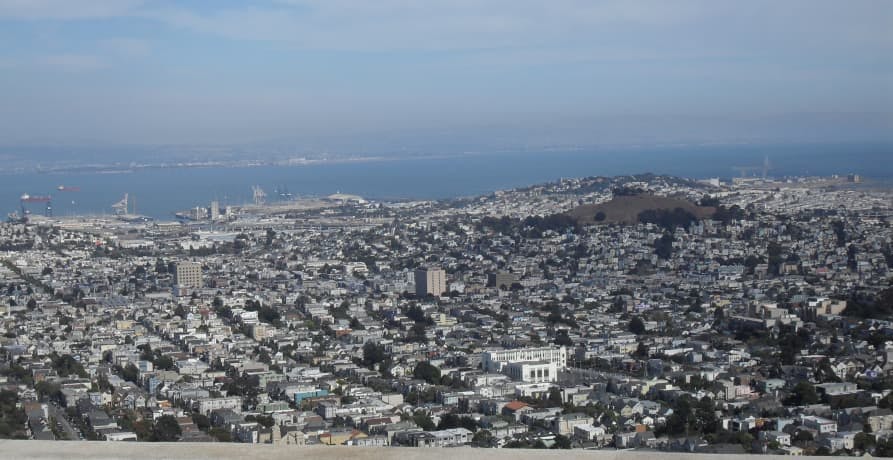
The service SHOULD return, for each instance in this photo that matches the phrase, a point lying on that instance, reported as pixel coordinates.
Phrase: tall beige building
(188, 275)
(430, 281)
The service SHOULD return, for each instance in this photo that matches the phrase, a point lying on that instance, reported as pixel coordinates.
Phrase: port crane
(744, 170)
(26, 198)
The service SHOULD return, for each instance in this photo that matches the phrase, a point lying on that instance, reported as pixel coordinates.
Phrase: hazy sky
(406, 72)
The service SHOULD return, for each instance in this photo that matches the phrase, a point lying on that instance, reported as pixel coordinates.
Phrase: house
(782, 438)
(624, 440)
(336, 437)
(591, 433)
(564, 424)
(880, 419)
(516, 409)
(820, 424)
(443, 438)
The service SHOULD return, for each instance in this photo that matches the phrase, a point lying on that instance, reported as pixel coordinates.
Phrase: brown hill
(626, 209)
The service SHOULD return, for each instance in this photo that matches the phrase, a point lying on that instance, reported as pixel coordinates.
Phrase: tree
(356, 325)
(66, 365)
(373, 354)
(130, 373)
(555, 399)
(705, 416)
(663, 246)
(482, 438)
(166, 429)
(448, 421)
(802, 394)
(427, 372)
(221, 434)
(48, 390)
(641, 350)
(263, 420)
(160, 266)
(561, 338)
(678, 422)
(802, 436)
(666, 219)
(423, 420)
(863, 441)
(774, 251)
(637, 326)
(561, 442)
(201, 421)
(12, 417)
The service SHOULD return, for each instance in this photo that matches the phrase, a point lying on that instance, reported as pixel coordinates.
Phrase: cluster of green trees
(555, 317)
(636, 325)
(265, 313)
(667, 219)
(165, 429)
(374, 354)
(726, 215)
(531, 226)
(878, 306)
(691, 416)
(418, 332)
(802, 394)
(66, 365)
(159, 361)
(663, 246)
(560, 442)
(535, 226)
(243, 385)
(12, 418)
(627, 191)
(427, 372)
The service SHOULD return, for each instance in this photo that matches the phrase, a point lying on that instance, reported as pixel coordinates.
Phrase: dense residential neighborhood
(755, 317)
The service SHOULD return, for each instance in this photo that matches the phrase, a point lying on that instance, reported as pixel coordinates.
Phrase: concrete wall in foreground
(135, 450)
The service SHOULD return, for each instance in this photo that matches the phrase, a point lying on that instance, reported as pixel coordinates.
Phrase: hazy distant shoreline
(167, 187)
(25, 164)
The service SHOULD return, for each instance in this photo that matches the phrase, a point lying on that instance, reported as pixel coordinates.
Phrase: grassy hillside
(626, 209)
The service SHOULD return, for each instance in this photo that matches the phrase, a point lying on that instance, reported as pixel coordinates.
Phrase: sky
(412, 74)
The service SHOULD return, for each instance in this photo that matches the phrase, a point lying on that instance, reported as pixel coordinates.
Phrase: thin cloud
(67, 9)
(127, 47)
(74, 63)
(388, 25)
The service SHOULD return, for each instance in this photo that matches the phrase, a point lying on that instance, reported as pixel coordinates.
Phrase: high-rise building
(215, 210)
(430, 281)
(188, 275)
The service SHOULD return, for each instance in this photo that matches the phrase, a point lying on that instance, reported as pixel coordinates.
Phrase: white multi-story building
(205, 406)
(498, 360)
(536, 371)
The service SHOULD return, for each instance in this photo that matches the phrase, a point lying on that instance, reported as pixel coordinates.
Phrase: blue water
(160, 192)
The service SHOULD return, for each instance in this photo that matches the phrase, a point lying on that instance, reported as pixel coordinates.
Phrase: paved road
(59, 414)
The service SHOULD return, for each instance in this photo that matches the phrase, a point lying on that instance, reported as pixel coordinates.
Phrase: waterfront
(159, 192)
